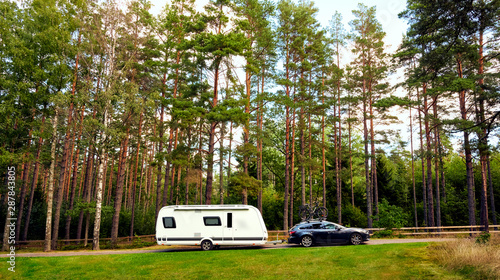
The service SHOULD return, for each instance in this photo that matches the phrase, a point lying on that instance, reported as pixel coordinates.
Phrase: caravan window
(212, 221)
(229, 220)
(169, 222)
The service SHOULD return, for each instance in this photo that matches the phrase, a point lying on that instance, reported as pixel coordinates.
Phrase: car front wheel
(307, 241)
(355, 239)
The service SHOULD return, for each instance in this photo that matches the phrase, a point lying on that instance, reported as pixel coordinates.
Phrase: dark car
(323, 232)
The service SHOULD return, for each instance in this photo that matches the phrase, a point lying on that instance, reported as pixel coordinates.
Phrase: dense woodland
(108, 113)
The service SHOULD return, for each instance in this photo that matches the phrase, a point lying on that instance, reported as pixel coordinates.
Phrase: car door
(334, 233)
(320, 234)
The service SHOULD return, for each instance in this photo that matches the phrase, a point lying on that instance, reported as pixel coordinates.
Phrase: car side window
(330, 226)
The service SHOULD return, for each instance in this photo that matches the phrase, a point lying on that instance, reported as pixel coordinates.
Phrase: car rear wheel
(355, 239)
(206, 245)
(307, 241)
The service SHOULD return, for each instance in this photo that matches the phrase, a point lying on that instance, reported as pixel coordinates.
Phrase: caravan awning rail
(210, 207)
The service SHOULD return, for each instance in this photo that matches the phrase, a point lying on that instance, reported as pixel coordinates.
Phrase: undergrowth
(477, 258)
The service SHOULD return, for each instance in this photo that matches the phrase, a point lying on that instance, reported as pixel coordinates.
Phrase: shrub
(483, 238)
(390, 216)
(353, 217)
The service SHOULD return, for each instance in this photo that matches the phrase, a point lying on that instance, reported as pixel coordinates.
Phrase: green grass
(391, 261)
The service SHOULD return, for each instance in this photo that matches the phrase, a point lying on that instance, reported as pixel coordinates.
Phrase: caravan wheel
(206, 245)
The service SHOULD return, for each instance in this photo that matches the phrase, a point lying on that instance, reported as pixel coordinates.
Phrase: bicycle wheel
(303, 212)
(322, 212)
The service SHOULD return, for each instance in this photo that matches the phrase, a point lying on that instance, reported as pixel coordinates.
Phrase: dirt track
(160, 249)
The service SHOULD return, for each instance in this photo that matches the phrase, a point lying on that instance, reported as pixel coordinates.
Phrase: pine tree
(372, 69)
(217, 44)
(338, 35)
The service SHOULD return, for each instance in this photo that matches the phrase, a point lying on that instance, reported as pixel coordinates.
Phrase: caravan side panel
(222, 225)
(249, 228)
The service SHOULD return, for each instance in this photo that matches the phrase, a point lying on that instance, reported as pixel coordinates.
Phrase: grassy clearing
(477, 260)
(391, 261)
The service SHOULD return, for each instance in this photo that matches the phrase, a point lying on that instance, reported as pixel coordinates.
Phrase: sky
(387, 14)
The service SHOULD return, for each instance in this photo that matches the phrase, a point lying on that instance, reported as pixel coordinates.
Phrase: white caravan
(210, 225)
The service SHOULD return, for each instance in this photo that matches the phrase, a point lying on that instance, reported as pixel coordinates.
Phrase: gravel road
(160, 249)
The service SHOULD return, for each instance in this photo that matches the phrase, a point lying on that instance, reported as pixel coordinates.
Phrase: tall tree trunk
(142, 173)
(134, 183)
(349, 128)
(178, 185)
(430, 196)
(413, 171)
(436, 163)
(200, 174)
(483, 137)
(221, 163)
(422, 156)
(210, 164)
(369, 196)
(323, 143)
(246, 127)
(373, 154)
(86, 188)
(50, 193)
(119, 189)
(168, 165)
(110, 181)
(492, 197)
(74, 177)
(211, 144)
(468, 150)
(338, 163)
(310, 166)
(230, 150)
(186, 197)
(22, 198)
(160, 150)
(260, 120)
(292, 171)
(287, 164)
(302, 157)
(100, 182)
(186, 191)
(60, 192)
(127, 181)
(149, 177)
(172, 184)
(287, 139)
(33, 183)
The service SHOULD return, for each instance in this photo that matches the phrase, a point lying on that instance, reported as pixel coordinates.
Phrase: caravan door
(228, 232)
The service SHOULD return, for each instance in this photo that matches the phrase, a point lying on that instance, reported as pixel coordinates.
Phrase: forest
(109, 112)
